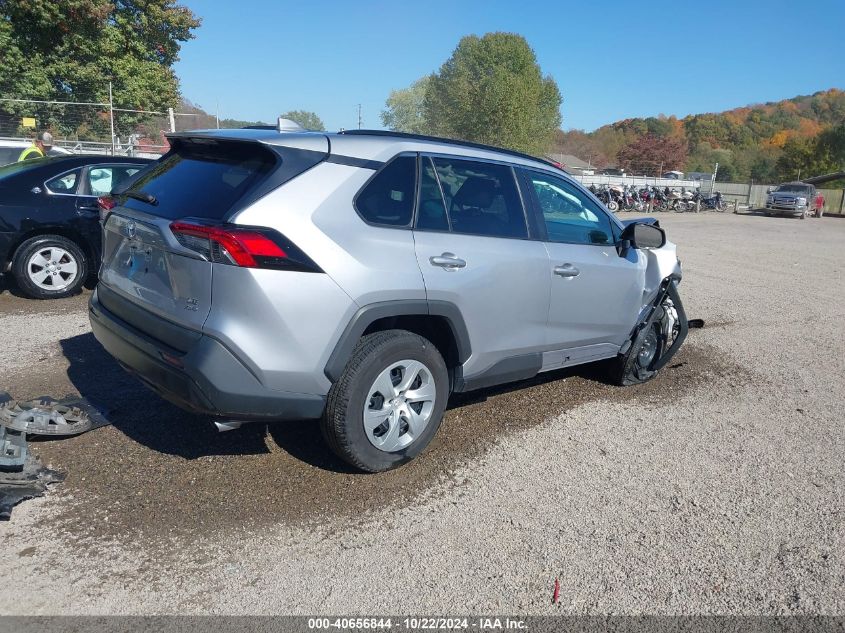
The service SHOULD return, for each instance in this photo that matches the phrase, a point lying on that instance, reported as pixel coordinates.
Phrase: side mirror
(641, 236)
(769, 189)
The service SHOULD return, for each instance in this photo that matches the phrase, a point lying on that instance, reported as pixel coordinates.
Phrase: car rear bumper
(206, 379)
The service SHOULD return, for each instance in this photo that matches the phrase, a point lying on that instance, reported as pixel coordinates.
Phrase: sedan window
(66, 183)
(103, 179)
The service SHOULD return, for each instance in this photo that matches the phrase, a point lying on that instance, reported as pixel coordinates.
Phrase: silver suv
(362, 277)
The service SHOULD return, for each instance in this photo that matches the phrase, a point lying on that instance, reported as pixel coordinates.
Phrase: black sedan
(49, 220)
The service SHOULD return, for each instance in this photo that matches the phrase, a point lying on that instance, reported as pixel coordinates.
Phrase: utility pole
(111, 118)
(359, 116)
(217, 115)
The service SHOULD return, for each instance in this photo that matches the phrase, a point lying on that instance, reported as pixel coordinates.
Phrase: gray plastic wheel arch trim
(369, 314)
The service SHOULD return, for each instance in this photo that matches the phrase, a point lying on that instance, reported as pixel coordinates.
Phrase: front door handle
(448, 261)
(567, 270)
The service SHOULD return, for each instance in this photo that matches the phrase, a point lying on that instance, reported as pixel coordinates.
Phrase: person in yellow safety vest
(39, 149)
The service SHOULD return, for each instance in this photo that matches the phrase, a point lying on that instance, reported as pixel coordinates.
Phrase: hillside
(755, 141)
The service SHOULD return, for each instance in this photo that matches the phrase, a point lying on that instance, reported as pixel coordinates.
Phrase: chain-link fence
(95, 128)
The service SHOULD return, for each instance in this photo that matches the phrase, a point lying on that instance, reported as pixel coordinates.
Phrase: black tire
(342, 423)
(30, 248)
(626, 370)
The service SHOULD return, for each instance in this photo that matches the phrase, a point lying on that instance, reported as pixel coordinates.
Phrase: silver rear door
(477, 257)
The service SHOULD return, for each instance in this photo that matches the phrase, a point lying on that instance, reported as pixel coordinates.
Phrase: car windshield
(791, 189)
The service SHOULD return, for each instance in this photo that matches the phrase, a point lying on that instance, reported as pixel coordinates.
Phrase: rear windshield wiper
(143, 197)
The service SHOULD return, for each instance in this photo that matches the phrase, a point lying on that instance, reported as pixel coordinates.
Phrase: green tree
(822, 154)
(405, 109)
(491, 90)
(69, 50)
(308, 120)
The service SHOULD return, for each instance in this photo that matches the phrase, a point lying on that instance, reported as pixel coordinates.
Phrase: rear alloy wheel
(388, 403)
(49, 267)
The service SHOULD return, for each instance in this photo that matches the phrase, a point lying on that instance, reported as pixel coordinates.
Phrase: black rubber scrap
(19, 484)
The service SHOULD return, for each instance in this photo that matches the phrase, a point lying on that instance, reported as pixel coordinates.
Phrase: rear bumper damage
(206, 379)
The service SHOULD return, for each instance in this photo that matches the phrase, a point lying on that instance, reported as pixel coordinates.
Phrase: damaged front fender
(656, 338)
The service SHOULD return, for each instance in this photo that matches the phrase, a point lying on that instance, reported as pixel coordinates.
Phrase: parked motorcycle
(714, 201)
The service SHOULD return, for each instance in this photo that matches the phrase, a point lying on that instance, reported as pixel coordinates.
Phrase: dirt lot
(716, 488)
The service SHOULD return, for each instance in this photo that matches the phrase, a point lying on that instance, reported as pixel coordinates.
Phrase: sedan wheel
(49, 267)
(52, 268)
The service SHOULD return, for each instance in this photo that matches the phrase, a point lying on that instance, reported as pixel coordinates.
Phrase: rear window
(202, 178)
(389, 197)
(10, 154)
(7, 171)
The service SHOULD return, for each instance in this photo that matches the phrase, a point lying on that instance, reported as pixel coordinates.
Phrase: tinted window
(102, 179)
(202, 178)
(10, 154)
(570, 215)
(389, 197)
(432, 210)
(482, 198)
(66, 183)
(7, 171)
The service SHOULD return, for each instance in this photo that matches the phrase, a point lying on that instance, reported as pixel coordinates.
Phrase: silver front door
(596, 295)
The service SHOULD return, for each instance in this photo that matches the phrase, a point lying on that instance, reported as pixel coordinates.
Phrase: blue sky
(611, 60)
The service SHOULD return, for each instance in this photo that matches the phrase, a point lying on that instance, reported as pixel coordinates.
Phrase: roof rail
(448, 141)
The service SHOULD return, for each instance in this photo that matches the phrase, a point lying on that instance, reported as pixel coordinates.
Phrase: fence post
(111, 118)
(842, 203)
(172, 119)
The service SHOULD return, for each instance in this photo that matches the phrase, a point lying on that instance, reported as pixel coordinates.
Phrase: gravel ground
(716, 488)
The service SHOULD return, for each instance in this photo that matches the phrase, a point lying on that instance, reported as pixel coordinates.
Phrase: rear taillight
(105, 204)
(248, 247)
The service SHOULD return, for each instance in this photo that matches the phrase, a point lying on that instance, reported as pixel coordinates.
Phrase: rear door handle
(567, 270)
(88, 206)
(448, 261)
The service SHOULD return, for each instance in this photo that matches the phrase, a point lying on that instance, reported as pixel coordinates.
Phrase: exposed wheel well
(435, 328)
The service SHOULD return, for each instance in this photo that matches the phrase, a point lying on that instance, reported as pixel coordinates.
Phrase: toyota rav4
(362, 277)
